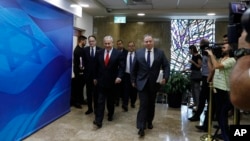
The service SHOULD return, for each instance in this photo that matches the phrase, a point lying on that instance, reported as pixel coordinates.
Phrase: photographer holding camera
(223, 67)
(240, 76)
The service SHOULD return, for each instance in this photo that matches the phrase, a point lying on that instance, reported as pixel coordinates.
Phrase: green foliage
(178, 83)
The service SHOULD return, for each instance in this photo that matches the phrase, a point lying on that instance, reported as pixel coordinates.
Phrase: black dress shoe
(99, 125)
(125, 108)
(110, 118)
(88, 112)
(141, 132)
(78, 106)
(201, 128)
(150, 126)
(194, 118)
(218, 136)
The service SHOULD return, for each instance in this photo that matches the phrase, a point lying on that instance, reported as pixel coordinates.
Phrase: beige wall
(134, 31)
(220, 30)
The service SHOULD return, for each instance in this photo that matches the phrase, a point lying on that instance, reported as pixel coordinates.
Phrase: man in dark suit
(145, 71)
(90, 55)
(120, 87)
(78, 69)
(130, 92)
(109, 71)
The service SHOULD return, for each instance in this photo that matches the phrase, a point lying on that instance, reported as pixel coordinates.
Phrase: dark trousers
(223, 105)
(92, 94)
(147, 105)
(195, 86)
(119, 90)
(130, 92)
(77, 89)
(105, 94)
(204, 95)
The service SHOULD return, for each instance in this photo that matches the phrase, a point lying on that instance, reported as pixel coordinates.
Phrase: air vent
(139, 2)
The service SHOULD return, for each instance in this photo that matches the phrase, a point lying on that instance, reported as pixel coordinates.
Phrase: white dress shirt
(128, 61)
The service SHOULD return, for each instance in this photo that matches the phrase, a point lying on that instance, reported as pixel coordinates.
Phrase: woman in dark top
(195, 76)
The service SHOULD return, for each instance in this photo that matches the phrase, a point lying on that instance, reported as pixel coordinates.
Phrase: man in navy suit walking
(109, 71)
(90, 55)
(130, 92)
(120, 87)
(146, 67)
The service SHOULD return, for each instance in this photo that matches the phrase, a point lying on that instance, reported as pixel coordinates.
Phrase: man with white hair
(109, 71)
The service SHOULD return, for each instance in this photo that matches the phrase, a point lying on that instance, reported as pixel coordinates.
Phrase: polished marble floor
(170, 124)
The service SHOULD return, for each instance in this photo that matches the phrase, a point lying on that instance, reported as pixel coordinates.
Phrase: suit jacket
(90, 62)
(78, 52)
(141, 72)
(124, 53)
(106, 75)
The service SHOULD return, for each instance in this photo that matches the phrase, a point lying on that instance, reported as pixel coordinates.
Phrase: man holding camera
(222, 67)
(240, 76)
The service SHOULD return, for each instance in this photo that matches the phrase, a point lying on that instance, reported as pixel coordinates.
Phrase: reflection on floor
(169, 125)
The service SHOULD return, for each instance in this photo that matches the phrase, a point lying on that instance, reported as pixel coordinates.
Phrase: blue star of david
(11, 47)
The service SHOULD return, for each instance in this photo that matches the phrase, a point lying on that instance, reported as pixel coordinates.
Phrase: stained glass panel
(185, 33)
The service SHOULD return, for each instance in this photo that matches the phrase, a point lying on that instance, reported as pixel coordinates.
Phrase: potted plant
(176, 86)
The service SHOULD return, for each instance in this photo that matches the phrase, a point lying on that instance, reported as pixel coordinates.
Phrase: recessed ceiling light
(74, 5)
(211, 14)
(141, 14)
(84, 5)
(140, 23)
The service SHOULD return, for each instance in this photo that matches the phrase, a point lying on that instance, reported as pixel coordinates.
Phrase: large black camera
(236, 10)
(215, 48)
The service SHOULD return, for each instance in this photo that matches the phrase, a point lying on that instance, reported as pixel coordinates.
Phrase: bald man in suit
(146, 67)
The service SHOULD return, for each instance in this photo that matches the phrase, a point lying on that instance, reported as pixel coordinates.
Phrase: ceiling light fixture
(74, 5)
(84, 5)
(141, 14)
(211, 14)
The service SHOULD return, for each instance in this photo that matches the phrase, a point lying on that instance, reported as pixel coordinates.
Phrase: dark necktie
(106, 61)
(92, 52)
(130, 61)
(148, 58)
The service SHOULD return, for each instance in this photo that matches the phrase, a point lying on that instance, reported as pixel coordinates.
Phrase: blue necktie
(148, 58)
(92, 52)
(130, 61)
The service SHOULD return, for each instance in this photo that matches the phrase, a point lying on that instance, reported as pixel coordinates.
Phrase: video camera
(236, 10)
(214, 47)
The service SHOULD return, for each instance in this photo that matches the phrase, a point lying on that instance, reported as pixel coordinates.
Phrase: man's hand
(210, 53)
(95, 82)
(118, 80)
(163, 81)
(191, 61)
(134, 85)
(241, 41)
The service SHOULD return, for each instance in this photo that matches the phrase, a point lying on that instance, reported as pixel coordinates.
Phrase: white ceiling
(159, 9)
